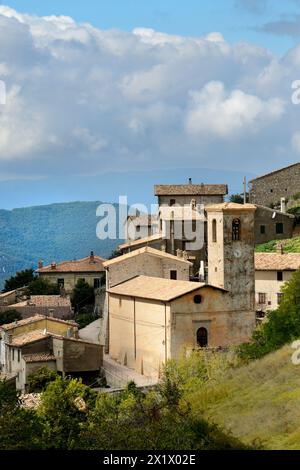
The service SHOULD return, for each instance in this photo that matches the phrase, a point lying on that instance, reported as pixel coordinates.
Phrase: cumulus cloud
(81, 100)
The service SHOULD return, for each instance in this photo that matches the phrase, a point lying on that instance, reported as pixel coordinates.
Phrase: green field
(291, 245)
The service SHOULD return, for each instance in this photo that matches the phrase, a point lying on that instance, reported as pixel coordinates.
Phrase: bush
(21, 279)
(39, 380)
(9, 316)
(42, 286)
(83, 295)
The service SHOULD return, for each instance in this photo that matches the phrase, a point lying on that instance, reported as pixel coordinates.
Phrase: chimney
(92, 257)
(279, 248)
(282, 205)
(190, 181)
(53, 265)
(40, 264)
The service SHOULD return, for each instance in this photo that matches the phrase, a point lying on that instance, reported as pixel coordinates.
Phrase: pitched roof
(39, 357)
(277, 261)
(49, 301)
(274, 172)
(190, 190)
(155, 288)
(145, 250)
(83, 265)
(141, 241)
(35, 318)
(268, 209)
(27, 338)
(7, 294)
(230, 206)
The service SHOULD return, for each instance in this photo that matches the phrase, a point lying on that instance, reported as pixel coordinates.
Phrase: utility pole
(245, 190)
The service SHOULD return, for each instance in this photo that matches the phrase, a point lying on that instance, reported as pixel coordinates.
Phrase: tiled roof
(27, 338)
(277, 261)
(230, 206)
(84, 265)
(148, 250)
(191, 190)
(36, 318)
(39, 357)
(6, 294)
(142, 241)
(49, 301)
(274, 172)
(156, 288)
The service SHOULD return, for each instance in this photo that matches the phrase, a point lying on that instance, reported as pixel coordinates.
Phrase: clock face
(237, 253)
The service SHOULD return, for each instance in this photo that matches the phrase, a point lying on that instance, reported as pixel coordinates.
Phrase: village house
(11, 297)
(272, 271)
(30, 344)
(57, 306)
(140, 226)
(271, 224)
(68, 273)
(149, 262)
(153, 319)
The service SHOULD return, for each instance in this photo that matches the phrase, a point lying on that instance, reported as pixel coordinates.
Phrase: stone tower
(231, 251)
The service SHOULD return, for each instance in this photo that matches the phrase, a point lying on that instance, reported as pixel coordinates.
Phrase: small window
(13, 354)
(279, 298)
(236, 229)
(173, 274)
(214, 231)
(97, 283)
(19, 355)
(61, 283)
(262, 229)
(279, 276)
(261, 298)
(172, 202)
(197, 299)
(271, 190)
(120, 302)
(279, 228)
(202, 337)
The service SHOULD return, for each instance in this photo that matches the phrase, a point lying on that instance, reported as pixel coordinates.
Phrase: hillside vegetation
(291, 245)
(258, 403)
(54, 232)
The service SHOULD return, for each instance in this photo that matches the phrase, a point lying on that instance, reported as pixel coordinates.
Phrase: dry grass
(259, 402)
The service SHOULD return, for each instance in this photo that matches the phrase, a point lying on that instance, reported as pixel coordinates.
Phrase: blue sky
(236, 19)
(124, 94)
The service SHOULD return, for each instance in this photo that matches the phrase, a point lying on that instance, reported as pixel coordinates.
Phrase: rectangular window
(279, 276)
(279, 228)
(19, 355)
(13, 354)
(279, 298)
(61, 283)
(172, 202)
(173, 275)
(96, 283)
(261, 298)
(262, 229)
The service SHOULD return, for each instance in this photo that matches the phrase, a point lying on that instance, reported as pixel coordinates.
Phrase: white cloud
(82, 99)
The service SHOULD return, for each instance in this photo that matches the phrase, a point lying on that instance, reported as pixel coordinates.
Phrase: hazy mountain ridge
(52, 232)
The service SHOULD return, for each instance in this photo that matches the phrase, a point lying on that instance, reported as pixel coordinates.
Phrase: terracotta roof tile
(141, 241)
(82, 265)
(145, 250)
(27, 338)
(191, 190)
(230, 206)
(277, 261)
(36, 318)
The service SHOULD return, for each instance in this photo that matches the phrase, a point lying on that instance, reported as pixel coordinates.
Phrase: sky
(111, 96)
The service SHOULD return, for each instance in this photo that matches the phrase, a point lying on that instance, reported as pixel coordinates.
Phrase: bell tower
(231, 251)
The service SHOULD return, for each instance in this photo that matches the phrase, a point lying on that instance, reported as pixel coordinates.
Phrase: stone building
(57, 306)
(272, 271)
(268, 189)
(140, 226)
(155, 319)
(271, 224)
(30, 344)
(183, 194)
(68, 273)
(149, 262)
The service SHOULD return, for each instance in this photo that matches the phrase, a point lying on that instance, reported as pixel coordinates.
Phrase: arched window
(214, 230)
(236, 229)
(202, 337)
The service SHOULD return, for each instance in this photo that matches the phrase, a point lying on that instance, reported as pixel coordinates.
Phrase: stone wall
(270, 219)
(271, 188)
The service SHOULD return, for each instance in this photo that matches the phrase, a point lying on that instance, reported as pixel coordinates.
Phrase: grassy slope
(291, 245)
(258, 401)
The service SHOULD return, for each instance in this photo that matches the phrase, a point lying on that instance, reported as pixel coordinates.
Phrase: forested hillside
(54, 232)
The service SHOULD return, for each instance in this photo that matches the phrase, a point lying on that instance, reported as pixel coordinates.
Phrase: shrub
(9, 316)
(39, 380)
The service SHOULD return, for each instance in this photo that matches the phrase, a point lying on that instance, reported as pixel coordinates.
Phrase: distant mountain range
(49, 233)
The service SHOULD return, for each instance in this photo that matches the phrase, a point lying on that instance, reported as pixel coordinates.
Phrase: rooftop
(155, 288)
(36, 318)
(27, 338)
(191, 190)
(275, 171)
(145, 250)
(277, 261)
(230, 206)
(84, 265)
(141, 241)
(49, 301)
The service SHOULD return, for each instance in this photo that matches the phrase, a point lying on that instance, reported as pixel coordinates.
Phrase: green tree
(83, 295)
(9, 316)
(239, 198)
(39, 380)
(281, 327)
(40, 286)
(21, 279)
